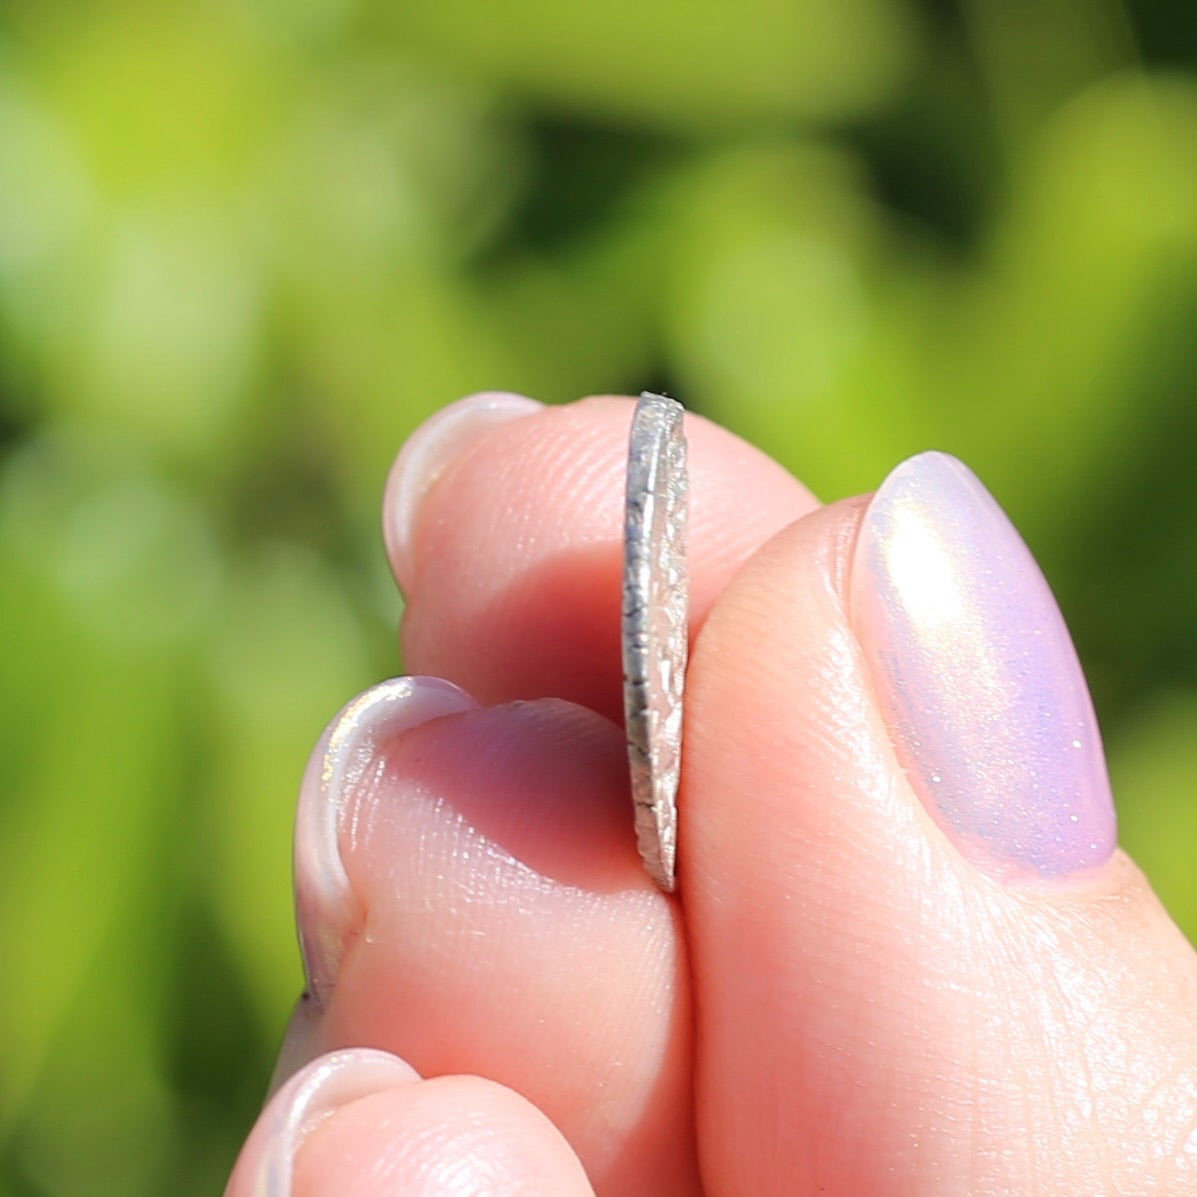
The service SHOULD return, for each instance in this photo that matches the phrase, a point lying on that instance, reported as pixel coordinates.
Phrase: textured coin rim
(656, 446)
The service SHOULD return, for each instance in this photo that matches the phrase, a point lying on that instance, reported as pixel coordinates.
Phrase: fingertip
(453, 1136)
(975, 673)
(361, 1123)
(506, 925)
(429, 451)
(266, 1166)
(857, 968)
(512, 575)
(326, 908)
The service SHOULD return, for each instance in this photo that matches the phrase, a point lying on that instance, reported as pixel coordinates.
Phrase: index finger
(520, 539)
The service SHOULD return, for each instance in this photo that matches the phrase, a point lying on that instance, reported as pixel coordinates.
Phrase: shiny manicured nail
(429, 451)
(319, 1090)
(977, 676)
(325, 905)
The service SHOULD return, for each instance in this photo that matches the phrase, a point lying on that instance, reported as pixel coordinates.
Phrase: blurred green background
(247, 245)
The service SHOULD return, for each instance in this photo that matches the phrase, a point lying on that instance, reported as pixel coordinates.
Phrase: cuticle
(843, 548)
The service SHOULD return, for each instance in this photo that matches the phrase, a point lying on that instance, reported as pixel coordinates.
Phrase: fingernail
(977, 676)
(353, 743)
(429, 451)
(322, 1088)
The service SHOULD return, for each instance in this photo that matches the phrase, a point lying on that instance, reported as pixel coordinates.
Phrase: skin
(835, 1002)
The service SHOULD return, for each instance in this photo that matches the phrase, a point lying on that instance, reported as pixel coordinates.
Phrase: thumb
(921, 965)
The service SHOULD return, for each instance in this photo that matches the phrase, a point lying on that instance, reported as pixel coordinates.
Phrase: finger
(495, 919)
(362, 1124)
(511, 557)
(918, 966)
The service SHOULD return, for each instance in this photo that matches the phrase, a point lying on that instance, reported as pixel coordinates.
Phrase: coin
(656, 600)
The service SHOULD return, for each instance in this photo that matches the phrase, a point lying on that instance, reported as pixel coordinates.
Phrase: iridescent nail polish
(977, 676)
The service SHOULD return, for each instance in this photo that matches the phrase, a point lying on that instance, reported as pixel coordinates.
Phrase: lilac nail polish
(977, 676)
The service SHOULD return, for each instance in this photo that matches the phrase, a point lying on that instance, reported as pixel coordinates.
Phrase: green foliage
(247, 245)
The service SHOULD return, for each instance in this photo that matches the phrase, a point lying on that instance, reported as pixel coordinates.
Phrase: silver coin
(656, 601)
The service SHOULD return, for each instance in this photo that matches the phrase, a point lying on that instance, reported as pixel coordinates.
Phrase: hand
(905, 957)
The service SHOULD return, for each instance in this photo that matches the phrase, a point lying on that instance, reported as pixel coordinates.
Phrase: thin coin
(656, 600)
